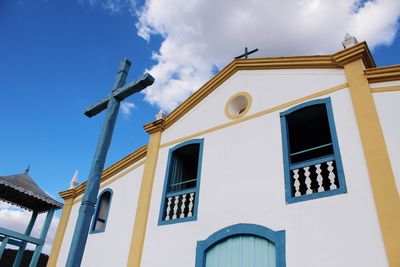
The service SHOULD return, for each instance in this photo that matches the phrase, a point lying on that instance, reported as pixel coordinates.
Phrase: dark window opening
(309, 134)
(184, 167)
(102, 212)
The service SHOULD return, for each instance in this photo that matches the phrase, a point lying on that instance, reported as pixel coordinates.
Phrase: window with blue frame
(181, 186)
(312, 161)
(102, 210)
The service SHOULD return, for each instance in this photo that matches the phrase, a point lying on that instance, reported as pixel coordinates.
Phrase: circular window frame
(244, 112)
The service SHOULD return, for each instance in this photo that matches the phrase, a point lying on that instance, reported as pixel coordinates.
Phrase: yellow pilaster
(62, 226)
(143, 206)
(383, 184)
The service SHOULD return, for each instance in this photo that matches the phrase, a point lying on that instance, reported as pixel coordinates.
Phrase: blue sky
(59, 57)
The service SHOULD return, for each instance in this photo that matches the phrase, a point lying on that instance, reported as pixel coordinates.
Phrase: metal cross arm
(121, 93)
(247, 53)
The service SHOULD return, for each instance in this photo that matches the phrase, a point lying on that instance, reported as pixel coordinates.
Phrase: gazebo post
(3, 245)
(22, 247)
(43, 234)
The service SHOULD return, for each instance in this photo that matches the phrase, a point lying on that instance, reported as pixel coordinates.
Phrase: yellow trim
(229, 103)
(360, 51)
(378, 163)
(113, 179)
(143, 205)
(74, 196)
(383, 74)
(62, 226)
(336, 60)
(108, 173)
(257, 114)
(385, 89)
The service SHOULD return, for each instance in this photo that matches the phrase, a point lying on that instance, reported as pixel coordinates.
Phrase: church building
(274, 162)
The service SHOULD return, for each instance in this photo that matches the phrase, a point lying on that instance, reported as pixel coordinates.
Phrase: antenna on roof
(28, 168)
(247, 53)
(349, 41)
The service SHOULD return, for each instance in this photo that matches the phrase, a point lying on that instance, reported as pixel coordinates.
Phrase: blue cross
(119, 92)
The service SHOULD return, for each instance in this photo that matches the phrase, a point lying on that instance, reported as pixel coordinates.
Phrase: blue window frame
(312, 162)
(180, 196)
(101, 213)
(276, 238)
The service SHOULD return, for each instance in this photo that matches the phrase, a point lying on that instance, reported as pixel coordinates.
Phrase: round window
(238, 105)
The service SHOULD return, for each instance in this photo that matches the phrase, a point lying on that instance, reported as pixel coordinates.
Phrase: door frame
(276, 237)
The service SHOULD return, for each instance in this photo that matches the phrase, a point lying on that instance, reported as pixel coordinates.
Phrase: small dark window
(309, 134)
(183, 171)
(180, 197)
(102, 209)
(311, 152)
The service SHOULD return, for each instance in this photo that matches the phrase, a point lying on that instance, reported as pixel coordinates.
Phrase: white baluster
(191, 198)
(168, 209)
(331, 175)
(183, 207)
(319, 178)
(308, 180)
(296, 183)
(175, 207)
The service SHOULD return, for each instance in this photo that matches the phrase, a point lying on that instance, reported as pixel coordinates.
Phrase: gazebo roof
(21, 190)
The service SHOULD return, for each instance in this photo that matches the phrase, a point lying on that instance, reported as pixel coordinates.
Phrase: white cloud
(126, 108)
(112, 6)
(16, 219)
(201, 34)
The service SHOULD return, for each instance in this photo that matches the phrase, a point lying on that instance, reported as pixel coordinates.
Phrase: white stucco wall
(242, 180)
(268, 89)
(387, 105)
(109, 248)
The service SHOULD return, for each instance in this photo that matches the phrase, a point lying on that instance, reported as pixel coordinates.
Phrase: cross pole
(119, 92)
(247, 53)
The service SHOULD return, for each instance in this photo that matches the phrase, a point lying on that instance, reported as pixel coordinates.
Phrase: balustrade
(179, 204)
(314, 176)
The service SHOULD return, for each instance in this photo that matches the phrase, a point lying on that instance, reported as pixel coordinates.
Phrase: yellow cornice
(336, 60)
(67, 194)
(107, 173)
(383, 74)
(358, 51)
(154, 126)
(247, 64)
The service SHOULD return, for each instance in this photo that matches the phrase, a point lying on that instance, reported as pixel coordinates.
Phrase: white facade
(242, 178)
(109, 248)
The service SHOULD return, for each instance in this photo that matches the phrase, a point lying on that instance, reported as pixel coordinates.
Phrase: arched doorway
(242, 245)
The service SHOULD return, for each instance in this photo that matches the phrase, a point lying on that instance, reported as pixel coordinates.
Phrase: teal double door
(242, 251)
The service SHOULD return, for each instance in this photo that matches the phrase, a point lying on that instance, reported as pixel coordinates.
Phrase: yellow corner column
(62, 226)
(383, 184)
(143, 206)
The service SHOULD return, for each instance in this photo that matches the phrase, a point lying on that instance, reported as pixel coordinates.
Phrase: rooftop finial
(74, 180)
(28, 168)
(349, 41)
(160, 115)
